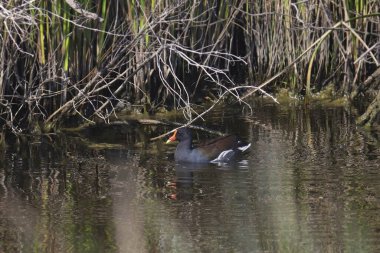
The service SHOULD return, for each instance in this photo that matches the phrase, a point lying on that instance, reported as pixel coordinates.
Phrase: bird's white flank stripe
(223, 156)
(244, 148)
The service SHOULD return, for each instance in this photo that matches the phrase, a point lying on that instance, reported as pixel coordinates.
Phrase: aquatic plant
(65, 58)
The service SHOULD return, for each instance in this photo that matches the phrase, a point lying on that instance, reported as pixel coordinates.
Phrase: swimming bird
(220, 150)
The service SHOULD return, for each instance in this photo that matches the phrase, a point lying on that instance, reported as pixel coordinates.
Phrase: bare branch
(78, 8)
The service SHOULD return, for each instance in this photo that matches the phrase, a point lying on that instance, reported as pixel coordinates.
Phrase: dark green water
(311, 183)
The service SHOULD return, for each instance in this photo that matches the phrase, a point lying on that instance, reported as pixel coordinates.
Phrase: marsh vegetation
(82, 60)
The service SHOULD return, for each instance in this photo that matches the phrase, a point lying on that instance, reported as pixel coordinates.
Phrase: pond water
(310, 183)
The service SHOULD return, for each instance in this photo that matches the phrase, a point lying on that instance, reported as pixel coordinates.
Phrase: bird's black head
(180, 134)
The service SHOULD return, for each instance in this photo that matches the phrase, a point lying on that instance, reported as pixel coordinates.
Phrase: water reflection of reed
(329, 162)
(311, 177)
(51, 198)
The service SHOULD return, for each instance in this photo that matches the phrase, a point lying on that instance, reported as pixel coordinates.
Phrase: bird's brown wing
(214, 147)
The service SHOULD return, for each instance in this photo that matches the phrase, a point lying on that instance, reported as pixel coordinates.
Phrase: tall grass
(58, 61)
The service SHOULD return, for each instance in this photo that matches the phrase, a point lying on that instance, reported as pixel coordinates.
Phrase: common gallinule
(219, 150)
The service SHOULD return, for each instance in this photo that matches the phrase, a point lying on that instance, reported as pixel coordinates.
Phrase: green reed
(126, 50)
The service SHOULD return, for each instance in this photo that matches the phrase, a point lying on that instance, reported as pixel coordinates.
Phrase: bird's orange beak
(172, 138)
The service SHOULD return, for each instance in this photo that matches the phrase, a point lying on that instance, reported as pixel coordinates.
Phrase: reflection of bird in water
(183, 186)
